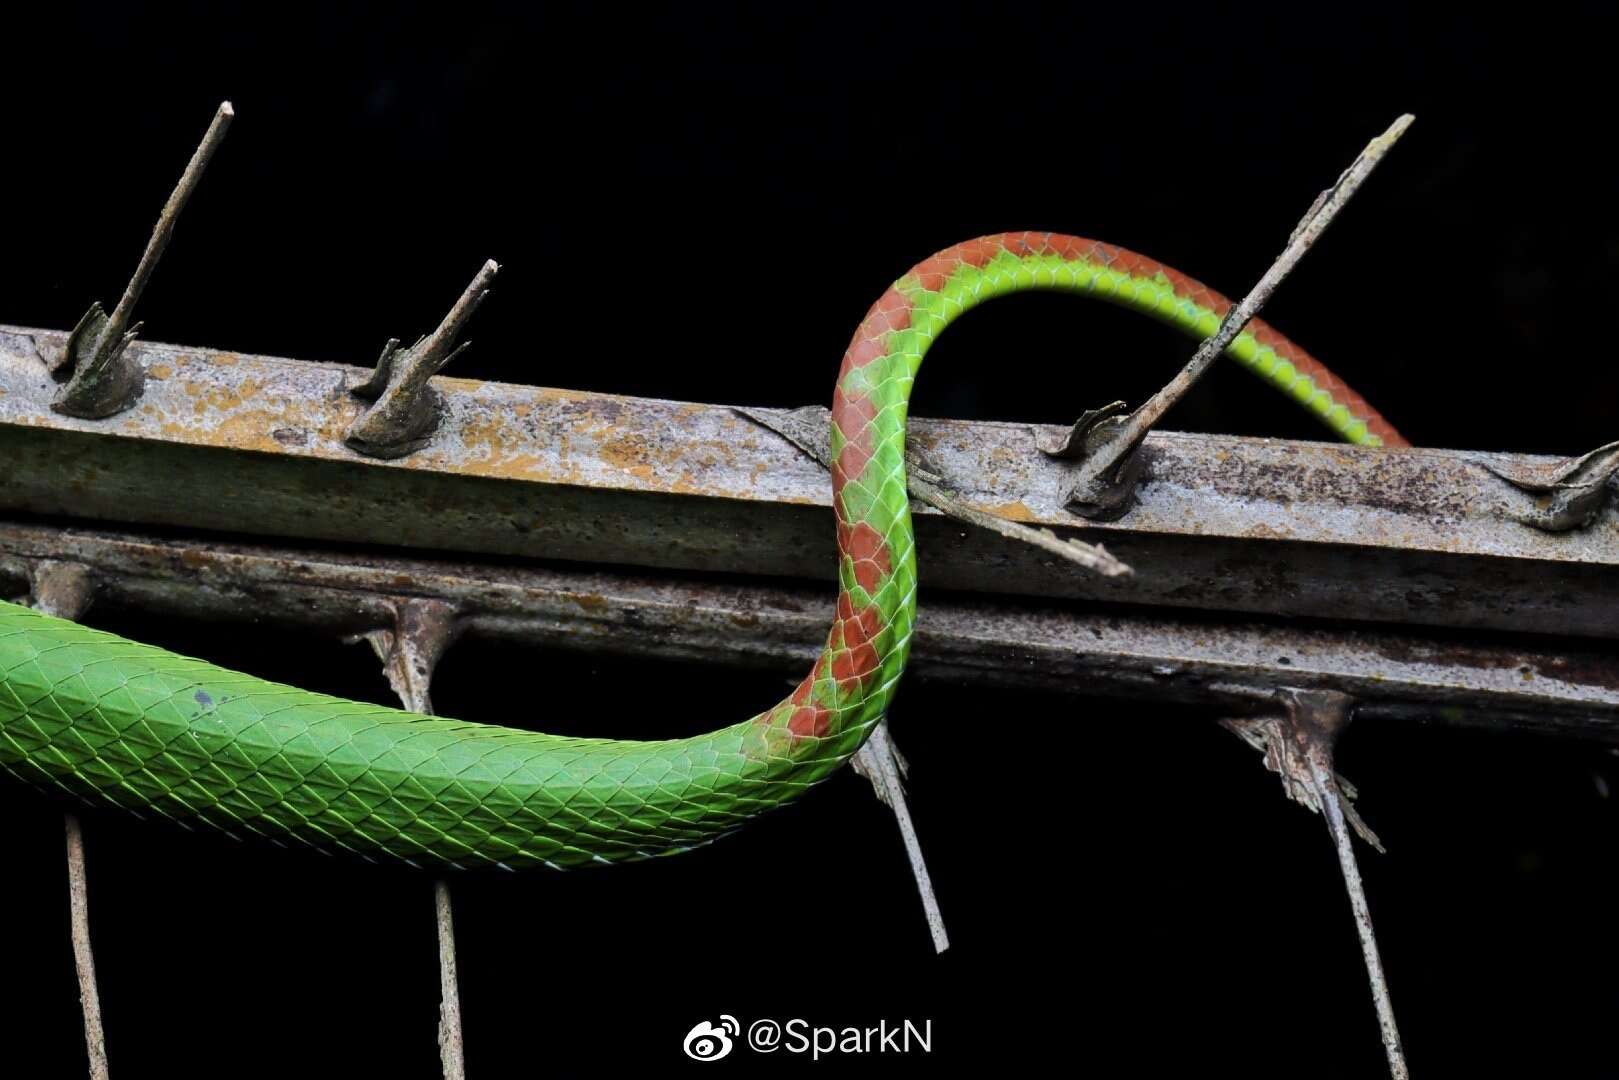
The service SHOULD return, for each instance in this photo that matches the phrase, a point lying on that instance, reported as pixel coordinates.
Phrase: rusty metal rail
(1063, 646)
(251, 444)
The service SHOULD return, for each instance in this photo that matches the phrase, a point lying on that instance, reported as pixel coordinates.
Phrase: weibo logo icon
(705, 1042)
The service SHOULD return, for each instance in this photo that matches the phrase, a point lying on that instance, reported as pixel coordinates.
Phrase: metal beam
(1062, 646)
(251, 444)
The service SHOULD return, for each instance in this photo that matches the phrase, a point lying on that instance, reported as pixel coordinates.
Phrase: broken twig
(809, 429)
(1566, 496)
(103, 378)
(880, 762)
(65, 589)
(409, 651)
(1108, 443)
(1298, 745)
(405, 408)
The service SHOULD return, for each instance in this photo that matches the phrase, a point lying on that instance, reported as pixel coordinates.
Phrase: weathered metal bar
(1493, 680)
(255, 445)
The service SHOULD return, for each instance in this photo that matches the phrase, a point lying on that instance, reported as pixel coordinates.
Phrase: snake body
(111, 719)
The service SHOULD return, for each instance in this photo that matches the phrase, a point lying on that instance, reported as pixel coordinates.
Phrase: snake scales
(111, 719)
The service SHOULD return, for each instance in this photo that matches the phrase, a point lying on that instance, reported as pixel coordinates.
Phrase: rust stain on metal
(1014, 511)
(1563, 666)
(627, 452)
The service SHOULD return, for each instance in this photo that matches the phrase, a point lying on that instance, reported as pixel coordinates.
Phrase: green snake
(113, 720)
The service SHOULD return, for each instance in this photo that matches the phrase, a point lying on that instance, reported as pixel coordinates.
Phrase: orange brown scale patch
(1074, 248)
(852, 415)
(840, 481)
(857, 660)
(1027, 243)
(851, 412)
(892, 311)
(932, 273)
(864, 352)
(977, 252)
(810, 722)
(854, 455)
(869, 551)
(809, 717)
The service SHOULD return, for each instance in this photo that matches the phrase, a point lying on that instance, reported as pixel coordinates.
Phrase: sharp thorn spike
(405, 408)
(103, 377)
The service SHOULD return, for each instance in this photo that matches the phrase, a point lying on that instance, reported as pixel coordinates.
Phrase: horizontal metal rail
(251, 444)
(1063, 646)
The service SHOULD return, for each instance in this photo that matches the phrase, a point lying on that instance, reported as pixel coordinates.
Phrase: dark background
(700, 204)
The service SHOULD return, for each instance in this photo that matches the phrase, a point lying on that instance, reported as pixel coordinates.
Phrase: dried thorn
(809, 429)
(60, 588)
(1299, 746)
(1566, 495)
(65, 590)
(1105, 482)
(405, 408)
(1272, 736)
(451, 1045)
(866, 766)
(103, 378)
(880, 763)
(409, 650)
(1071, 447)
(84, 960)
(49, 365)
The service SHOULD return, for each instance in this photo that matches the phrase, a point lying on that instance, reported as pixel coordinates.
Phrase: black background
(700, 204)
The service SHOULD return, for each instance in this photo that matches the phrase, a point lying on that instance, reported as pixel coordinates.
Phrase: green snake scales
(112, 720)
